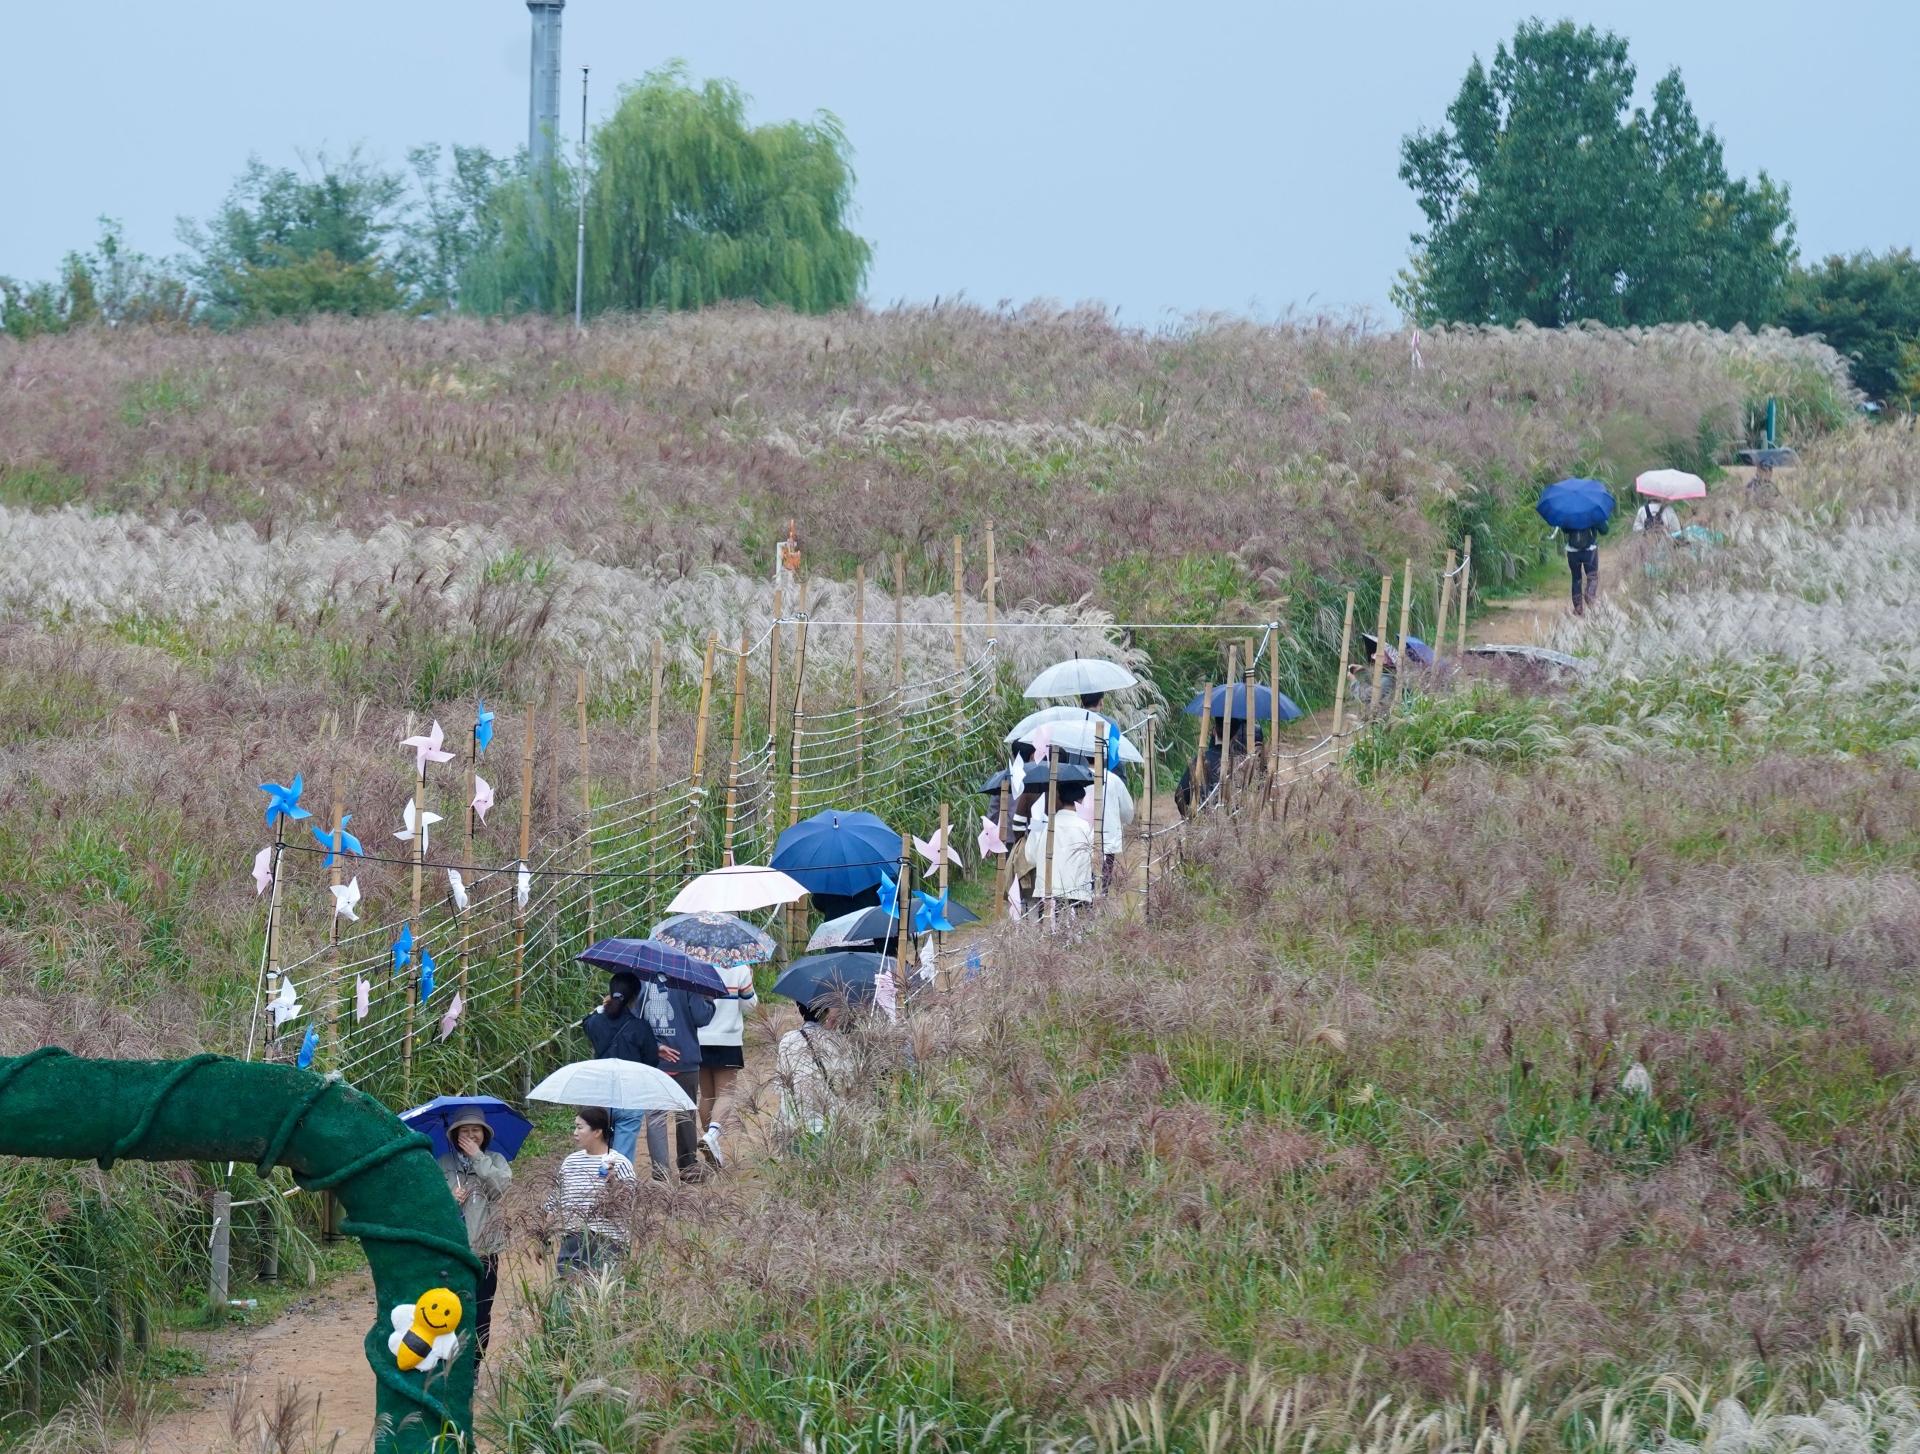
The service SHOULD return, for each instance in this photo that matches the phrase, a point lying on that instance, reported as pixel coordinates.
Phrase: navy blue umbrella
(836, 852)
(1235, 705)
(666, 964)
(509, 1127)
(827, 976)
(1576, 504)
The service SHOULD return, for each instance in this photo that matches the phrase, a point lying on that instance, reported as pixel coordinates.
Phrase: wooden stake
(1273, 701)
(553, 757)
(945, 821)
(959, 644)
(1053, 812)
(699, 752)
(217, 1278)
(903, 917)
(1406, 611)
(733, 763)
(1098, 859)
(1200, 758)
(1380, 643)
(586, 800)
(526, 834)
(899, 619)
(992, 581)
(1146, 888)
(653, 723)
(1466, 583)
(1340, 684)
(859, 680)
(1006, 831)
(466, 857)
(1446, 610)
(411, 998)
(330, 1014)
(1226, 728)
(270, 1031)
(799, 710)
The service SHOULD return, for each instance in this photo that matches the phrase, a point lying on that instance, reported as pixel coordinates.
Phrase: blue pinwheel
(931, 916)
(426, 976)
(284, 801)
(307, 1047)
(342, 842)
(889, 895)
(403, 946)
(482, 726)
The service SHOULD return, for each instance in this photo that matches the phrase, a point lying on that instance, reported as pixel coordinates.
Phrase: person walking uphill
(618, 1031)
(1583, 558)
(721, 1055)
(478, 1178)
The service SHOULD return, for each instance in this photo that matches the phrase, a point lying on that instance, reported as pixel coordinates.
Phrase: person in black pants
(1583, 558)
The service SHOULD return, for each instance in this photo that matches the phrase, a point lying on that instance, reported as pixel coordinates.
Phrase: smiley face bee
(423, 1332)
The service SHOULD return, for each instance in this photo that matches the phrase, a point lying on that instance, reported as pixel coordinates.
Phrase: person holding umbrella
(1579, 510)
(478, 1177)
(676, 1016)
(618, 1031)
(593, 1194)
(1072, 846)
(816, 1070)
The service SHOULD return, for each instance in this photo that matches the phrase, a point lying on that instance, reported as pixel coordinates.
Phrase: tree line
(1550, 199)
(686, 204)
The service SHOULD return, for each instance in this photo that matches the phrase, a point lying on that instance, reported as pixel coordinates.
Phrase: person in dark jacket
(675, 1017)
(1583, 557)
(618, 1031)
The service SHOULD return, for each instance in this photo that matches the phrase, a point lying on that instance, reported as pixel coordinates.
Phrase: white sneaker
(710, 1146)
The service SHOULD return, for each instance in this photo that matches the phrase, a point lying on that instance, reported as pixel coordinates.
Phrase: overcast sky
(1204, 155)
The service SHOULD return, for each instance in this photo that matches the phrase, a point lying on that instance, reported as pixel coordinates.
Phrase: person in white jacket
(1072, 838)
(722, 1056)
(1118, 812)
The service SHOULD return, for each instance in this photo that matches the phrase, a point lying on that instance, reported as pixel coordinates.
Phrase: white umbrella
(626, 1085)
(1081, 675)
(735, 890)
(1083, 738)
(1671, 485)
(1024, 729)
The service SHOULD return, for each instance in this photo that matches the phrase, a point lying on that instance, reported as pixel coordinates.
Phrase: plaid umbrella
(715, 938)
(668, 964)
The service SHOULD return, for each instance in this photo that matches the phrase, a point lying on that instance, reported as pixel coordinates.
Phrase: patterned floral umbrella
(716, 938)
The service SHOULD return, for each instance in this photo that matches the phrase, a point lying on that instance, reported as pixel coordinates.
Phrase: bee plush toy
(423, 1332)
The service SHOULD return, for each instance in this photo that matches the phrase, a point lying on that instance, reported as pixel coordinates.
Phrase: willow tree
(687, 204)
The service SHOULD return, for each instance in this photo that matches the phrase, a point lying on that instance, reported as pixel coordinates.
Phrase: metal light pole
(580, 250)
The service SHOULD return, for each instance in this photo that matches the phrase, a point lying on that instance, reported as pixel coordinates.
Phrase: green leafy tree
(1548, 199)
(687, 204)
(283, 244)
(109, 284)
(454, 223)
(1868, 308)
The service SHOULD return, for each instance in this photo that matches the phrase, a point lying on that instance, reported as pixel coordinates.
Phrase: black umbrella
(846, 974)
(875, 926)
(1064, 774)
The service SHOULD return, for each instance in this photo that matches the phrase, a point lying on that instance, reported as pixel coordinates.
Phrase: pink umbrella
(736, 889)
(1671, 485)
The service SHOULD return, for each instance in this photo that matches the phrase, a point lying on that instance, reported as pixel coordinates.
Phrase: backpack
(1581, 540)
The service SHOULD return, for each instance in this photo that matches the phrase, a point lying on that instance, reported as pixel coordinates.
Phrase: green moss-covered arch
(330, 1136)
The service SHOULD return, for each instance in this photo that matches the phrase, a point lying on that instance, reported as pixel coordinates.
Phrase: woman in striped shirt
(594, 1196)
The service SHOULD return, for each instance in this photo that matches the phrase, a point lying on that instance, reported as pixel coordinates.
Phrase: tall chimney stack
(543, 97)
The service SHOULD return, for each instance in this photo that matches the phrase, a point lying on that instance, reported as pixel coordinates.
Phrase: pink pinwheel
(990, 841)
(452, 1016)
(884, 994)
(931, 851)
(427, 749)
(1042, 743)
(1013, 896)
(1085, 810)
(362, 996)
(262, 871)
(482, 796)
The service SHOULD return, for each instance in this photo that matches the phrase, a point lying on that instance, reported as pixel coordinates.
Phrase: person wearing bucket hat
(478, 1177)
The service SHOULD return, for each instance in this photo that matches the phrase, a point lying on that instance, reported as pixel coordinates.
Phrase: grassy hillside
(231, 558)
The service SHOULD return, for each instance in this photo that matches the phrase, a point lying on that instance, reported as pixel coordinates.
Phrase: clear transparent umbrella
(627, 1084)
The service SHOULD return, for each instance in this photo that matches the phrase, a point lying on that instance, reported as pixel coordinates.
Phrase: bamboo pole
(466, 857)
(859, 681)
(993, 582)
(899, 618)
(1446, 610)
(733, 763)
(1273, 701)
(1053, 812)
(945, 821)
(1346, 647)
(526, 835)
(1226, 727)
(653, 724)
(1380, 643)
(793, 745)
(330, 1017)
(1406, 611)
(959, 642)
(903, 917)
(1097, 861)
(412, 999)
(1466, 584)
(270, 1031)
(1006, 830)
(1199, 783)
(586, 800)
(1146, 887)
(699, 752)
